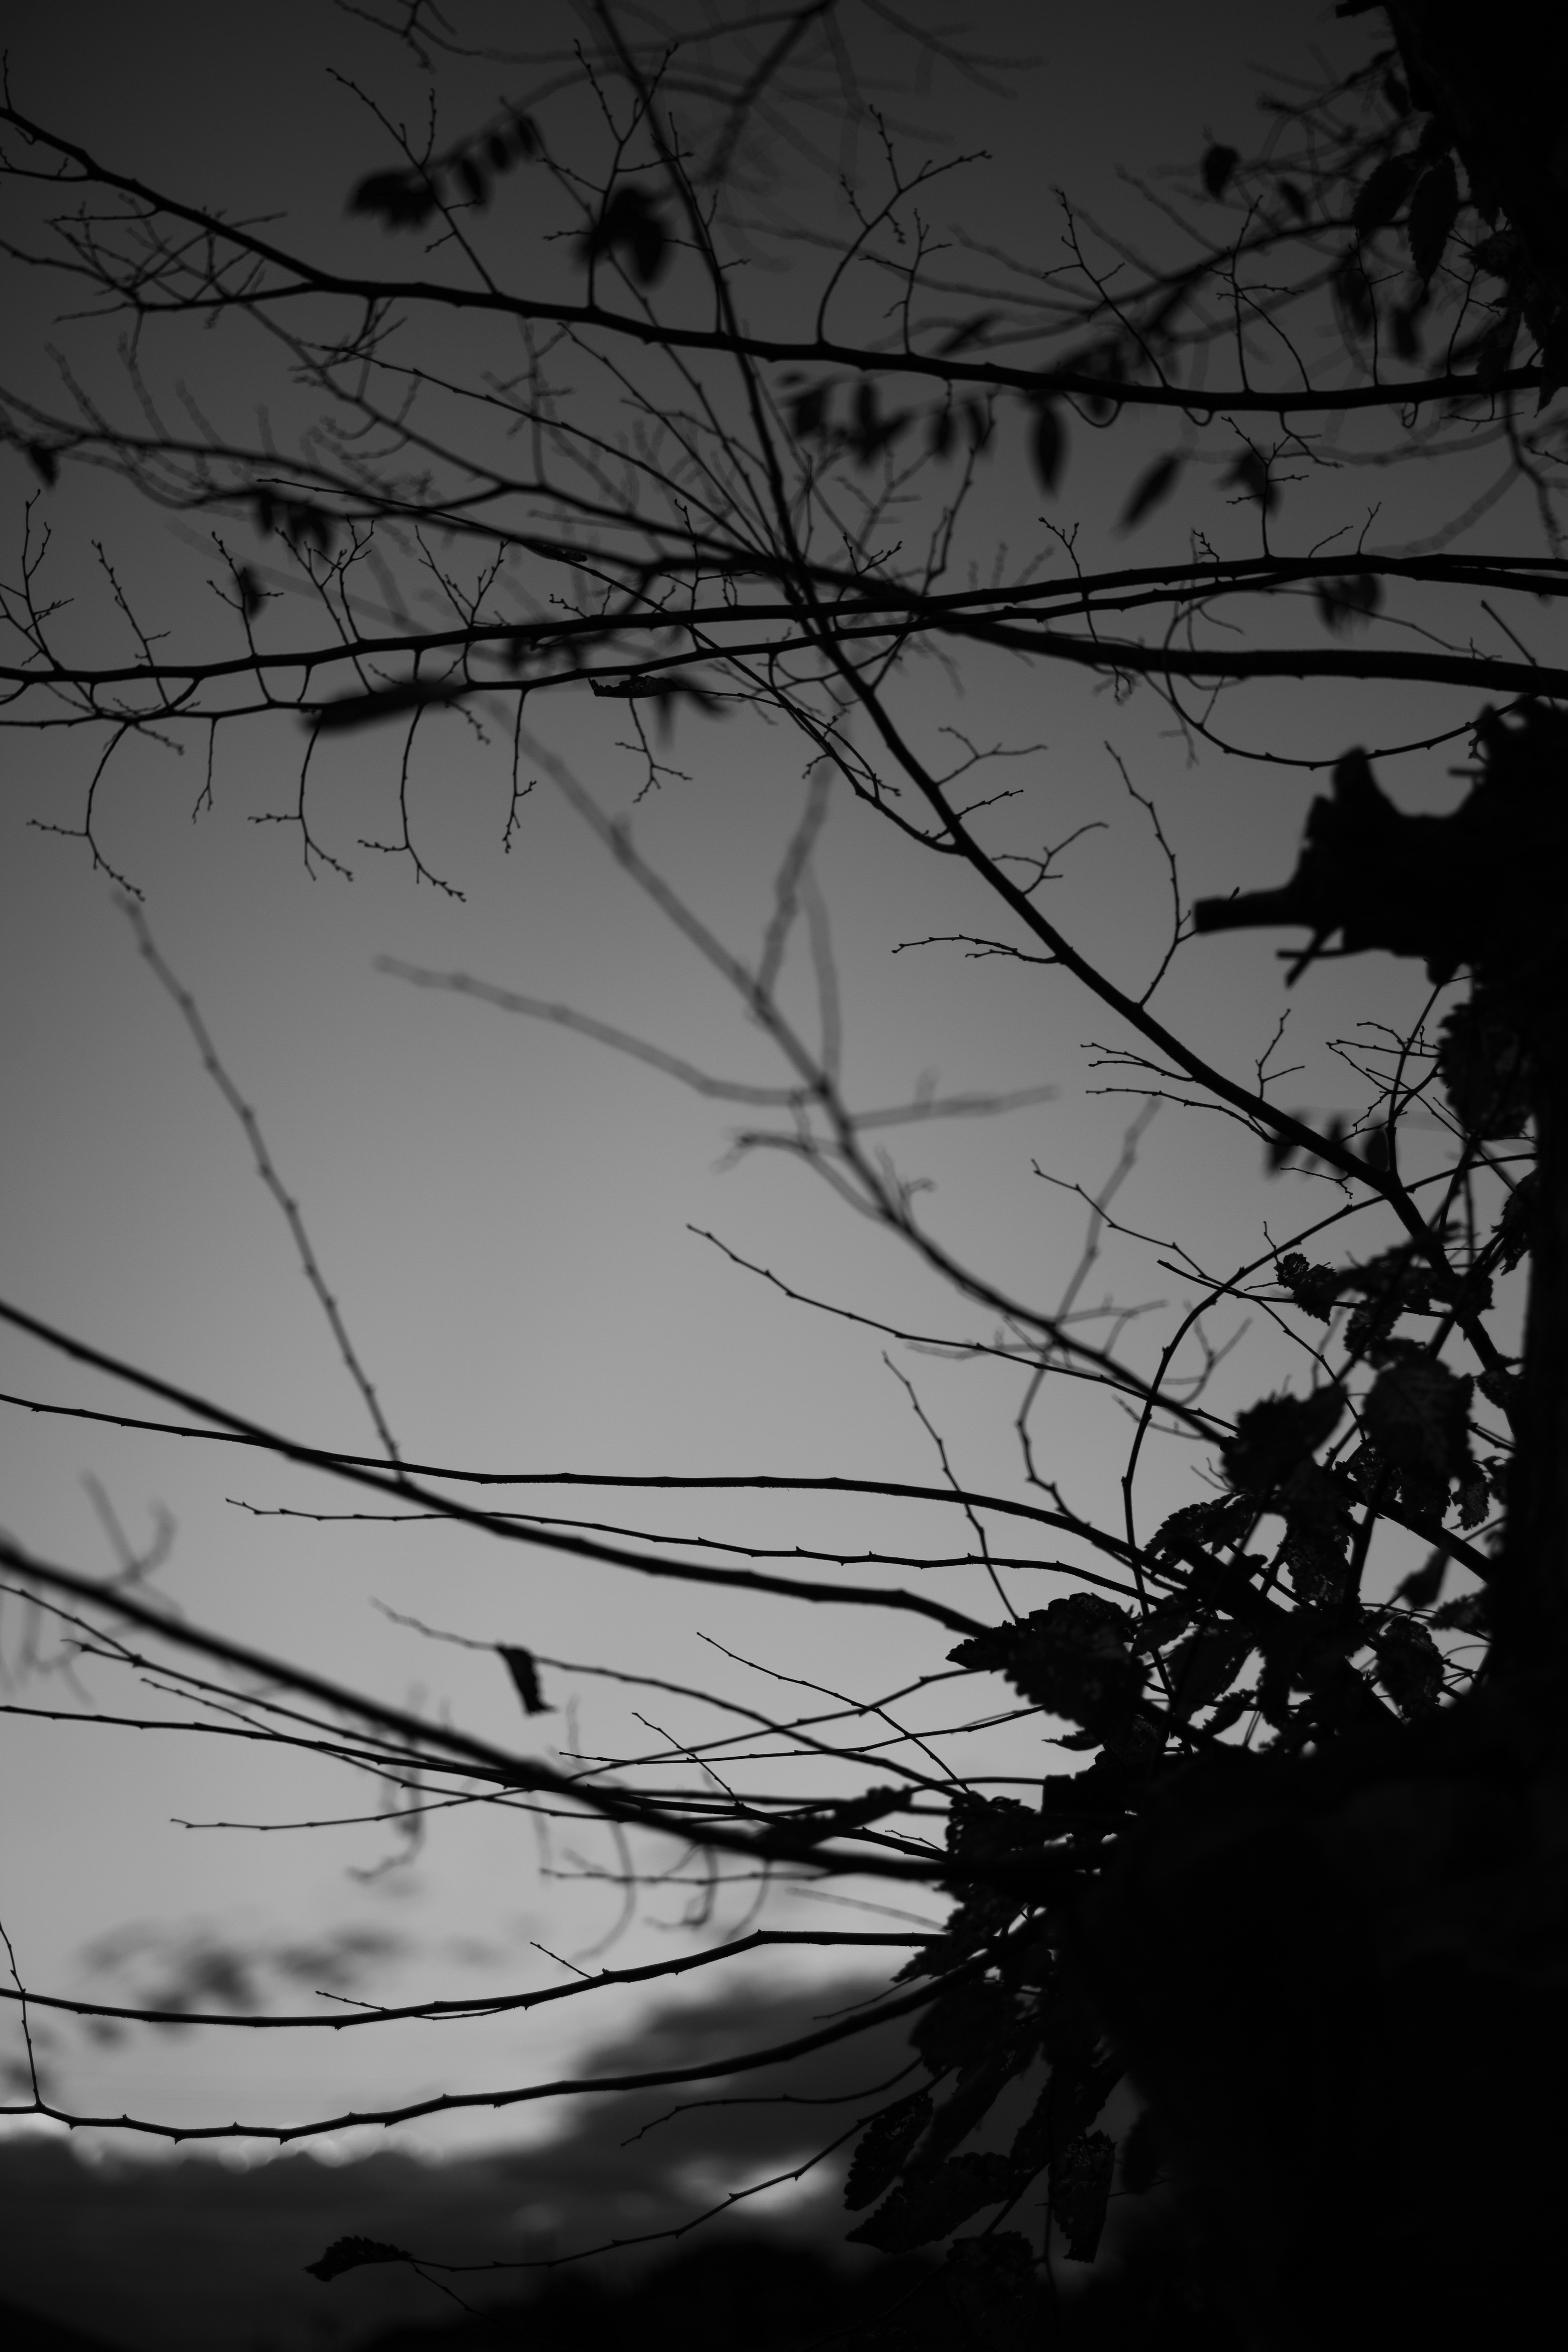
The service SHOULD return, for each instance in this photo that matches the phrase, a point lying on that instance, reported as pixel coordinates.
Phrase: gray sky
(503, 1208)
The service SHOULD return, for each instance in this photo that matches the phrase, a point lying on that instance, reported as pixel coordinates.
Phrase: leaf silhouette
(1343, 602)
(630, 228)
(1080, 2186)
(397, 199)
(1273, 1436)
(888, 2138)
(1071, 1658)
(1217, 168)
(520, 1666)
(1409, 1665)
(346, 711)
(1048, 444)
(1151, 490)
(1250, 475)
(353, 2254)
(1434, 209)
(1383, 193)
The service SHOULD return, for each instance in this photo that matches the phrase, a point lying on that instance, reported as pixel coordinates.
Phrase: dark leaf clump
(1072, 1658)
(1272, 1437)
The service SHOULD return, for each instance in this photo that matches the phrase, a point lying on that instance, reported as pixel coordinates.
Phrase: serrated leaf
(525, 1672)
(1204, 1666)
(353, 2254)
(1081, 2187)
(1416, 1412)
(1273, 1436)
(1313, 1289)
(1151, 490)
(964, 2026)
(1409, 1665)
(1072, 1658)
(933, 2204)
(889, 2138)
(1048, 446)
(1434, 209)
(989, 2280)
(1217, 169)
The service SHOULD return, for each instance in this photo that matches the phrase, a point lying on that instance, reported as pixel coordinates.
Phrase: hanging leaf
(252, 596)
(1434, 209)
(888, 2140)
(1217, 169)
(1294, 199)
(808, 413)
(1048, 446)
(940, 430)
(520, 1666)
(45, 462)
(1151, 490)
(1383, 193)
(1081, 2187)
(1250, 475)
(353, 2254)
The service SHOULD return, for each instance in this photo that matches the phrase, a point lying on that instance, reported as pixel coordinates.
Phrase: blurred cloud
(196, 2254)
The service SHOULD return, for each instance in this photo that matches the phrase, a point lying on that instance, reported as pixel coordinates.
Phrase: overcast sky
(503, 1208)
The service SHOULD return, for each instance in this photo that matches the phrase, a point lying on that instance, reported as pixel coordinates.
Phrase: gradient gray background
(503, 1208)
